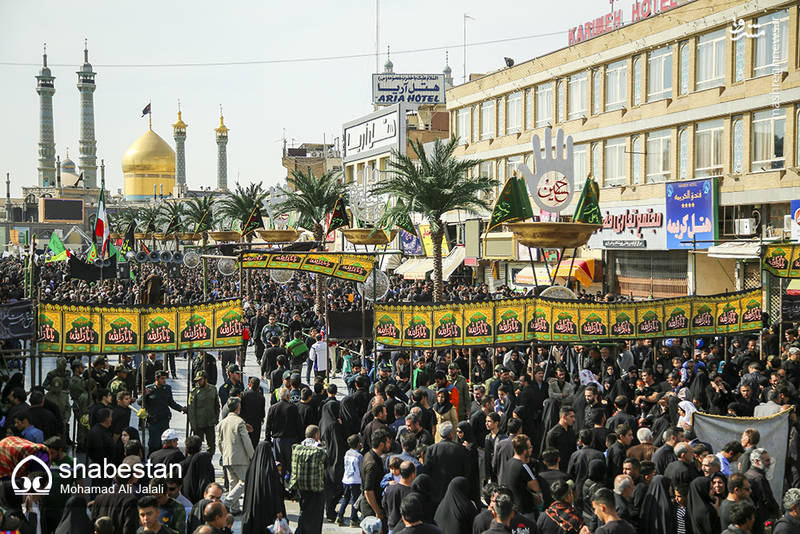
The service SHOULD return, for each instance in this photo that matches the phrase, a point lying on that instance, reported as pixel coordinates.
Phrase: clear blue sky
(307, 99)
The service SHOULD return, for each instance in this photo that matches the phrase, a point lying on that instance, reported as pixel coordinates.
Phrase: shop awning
(736, 250)
(407, 265)
(418, 271)
(583, 270)
(452, 261)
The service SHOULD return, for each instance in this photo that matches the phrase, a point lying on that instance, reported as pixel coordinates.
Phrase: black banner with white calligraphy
(16, 320)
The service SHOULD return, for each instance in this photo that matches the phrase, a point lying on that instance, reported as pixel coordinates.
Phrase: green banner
(65, 328)
(355, 267)
(515, 321)
(782, 260)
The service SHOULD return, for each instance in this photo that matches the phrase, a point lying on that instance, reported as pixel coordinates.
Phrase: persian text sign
(95, 329)
(513, 321)
(16, 320)
(355, 267)
(690, 214)
(390, 88)
(639, 227)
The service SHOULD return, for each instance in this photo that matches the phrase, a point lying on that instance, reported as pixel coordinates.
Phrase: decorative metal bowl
(279, 236)
(553, 234)
(143, 236)
(221, 235)
(115, 235)
(369, 236)
(160, 237)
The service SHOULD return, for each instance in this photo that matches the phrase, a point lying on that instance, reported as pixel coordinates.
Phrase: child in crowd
(351, 480)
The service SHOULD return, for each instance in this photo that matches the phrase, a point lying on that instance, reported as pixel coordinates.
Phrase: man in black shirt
(372, 472)
(562, 437)
(502, 510)
(665, 455)
(394, 494)
(682, 470)
(518, 476)
(550, 474)
(604, 508)
(578, 468)
(271, 358)
(617, 452)
(284, 429)
(412, 510)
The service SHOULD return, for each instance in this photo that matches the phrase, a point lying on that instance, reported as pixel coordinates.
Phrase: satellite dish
(280, 276)
(226, 266)
(375, 287)
(559, 293)
(191, 259)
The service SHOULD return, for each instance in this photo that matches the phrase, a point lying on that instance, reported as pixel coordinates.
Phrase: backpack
(308, 468)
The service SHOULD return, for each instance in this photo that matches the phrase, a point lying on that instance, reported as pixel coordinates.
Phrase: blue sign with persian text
(691, 217)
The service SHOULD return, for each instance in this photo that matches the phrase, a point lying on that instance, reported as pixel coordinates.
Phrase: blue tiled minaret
(87, 159)
(222, 154)
(47, 144)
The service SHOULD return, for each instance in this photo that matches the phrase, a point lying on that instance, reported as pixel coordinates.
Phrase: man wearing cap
(60, 371)
(120, 382)
(234, 381)
(55, 501)
(203, 410)
(204, 361)
(384, 376)
(169, 453)
(157, 401)
(99, 373)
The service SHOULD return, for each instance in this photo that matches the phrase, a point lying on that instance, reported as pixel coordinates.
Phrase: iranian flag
(101, 228)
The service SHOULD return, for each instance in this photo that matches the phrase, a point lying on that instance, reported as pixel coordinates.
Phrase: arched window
(637, 159)
(738, 145)
(637, 81)
(684, 53)
(683, 144)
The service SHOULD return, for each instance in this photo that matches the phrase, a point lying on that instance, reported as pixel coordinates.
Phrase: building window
(514, 113)
(562, 101)
(708, 148)
(683, 154)
(637, 81)
(684, 59)
(544, 104)
(501, 116)
(616, 84)
(772, 46)
(614, 162)
(577, 95)
(797, 136)
(528, 109)
(596, 161)
(738, 51)
(711, 60)
(486, 169)
(738, 145)
(597, 82)
(659, 74)
(501, 174)
(462, 125)
(768, 132)
(487, 119)
(658, 156)
(476, 121)
(579, 168)
(637, 159)
(511, 165)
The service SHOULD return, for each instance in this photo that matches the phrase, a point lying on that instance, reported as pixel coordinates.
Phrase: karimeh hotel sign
(614, 20)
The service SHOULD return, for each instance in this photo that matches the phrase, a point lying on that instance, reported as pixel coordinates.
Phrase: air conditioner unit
(787, 223)
(744, 226)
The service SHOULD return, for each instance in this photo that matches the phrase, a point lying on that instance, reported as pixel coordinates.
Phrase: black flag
(253, 222)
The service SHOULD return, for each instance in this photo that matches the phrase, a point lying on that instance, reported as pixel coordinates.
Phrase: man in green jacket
(204, 410)
(460, 383)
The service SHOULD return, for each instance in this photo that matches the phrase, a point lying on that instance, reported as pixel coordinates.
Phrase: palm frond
(312, 198)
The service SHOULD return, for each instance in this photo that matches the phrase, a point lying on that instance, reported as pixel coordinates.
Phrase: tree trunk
(438, 284)
(319, 297)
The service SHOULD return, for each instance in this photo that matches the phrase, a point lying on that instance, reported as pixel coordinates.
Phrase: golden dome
(149, 154)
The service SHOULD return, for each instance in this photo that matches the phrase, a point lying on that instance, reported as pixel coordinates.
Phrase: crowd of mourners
(536, 438)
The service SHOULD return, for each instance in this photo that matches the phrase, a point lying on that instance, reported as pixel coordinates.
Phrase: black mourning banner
(16, 320)
(790, 305)
(347, 325)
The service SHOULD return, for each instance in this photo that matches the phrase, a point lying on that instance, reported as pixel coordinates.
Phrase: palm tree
(199, 212)
(239, 204)
(313, 199)
(170, 217)
(123, 218)
(431, 186)
(146, 215)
